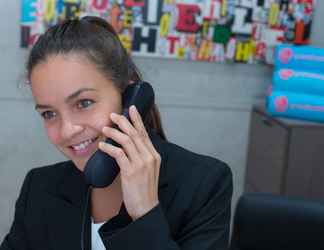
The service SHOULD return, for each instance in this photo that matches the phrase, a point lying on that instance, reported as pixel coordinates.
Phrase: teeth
(83, 145)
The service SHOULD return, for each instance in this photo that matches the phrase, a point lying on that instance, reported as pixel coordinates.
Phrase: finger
(117, 153)
(124, 141)
(137, 120)
(125, 125)
(139, 126)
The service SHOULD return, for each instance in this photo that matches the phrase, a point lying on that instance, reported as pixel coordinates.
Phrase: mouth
(85, 147)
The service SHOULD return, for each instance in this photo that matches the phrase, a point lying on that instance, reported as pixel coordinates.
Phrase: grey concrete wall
(205, 107)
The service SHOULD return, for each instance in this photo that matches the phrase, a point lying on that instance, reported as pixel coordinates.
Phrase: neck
(106, 202)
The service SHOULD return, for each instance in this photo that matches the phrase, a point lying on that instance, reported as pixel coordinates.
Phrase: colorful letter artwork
(197, 30)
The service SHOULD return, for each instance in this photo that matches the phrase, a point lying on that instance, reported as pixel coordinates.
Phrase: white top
(96, 241)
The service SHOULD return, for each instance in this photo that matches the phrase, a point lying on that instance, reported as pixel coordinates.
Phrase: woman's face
(75, 101)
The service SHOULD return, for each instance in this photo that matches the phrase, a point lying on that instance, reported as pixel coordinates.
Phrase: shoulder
(199, 188)
(183, 163)
(49, 175)
(194, 179)
(52, 171)
(41, 180)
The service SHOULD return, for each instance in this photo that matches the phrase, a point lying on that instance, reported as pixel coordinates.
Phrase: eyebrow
(67, 99)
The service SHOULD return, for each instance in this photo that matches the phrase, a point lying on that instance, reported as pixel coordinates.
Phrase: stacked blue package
(305, 58)
(296, 105)
(298, 83)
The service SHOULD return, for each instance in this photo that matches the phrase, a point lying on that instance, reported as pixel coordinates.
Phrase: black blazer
(193, 214)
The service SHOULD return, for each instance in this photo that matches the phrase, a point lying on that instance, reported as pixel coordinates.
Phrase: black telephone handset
(101, 169)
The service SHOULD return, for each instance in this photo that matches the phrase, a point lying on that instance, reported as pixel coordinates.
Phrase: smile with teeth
(83, 144)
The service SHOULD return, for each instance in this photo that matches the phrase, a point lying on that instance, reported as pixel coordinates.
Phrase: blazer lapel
(66, 210)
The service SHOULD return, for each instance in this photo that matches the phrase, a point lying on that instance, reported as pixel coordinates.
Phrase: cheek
(101, 117)
(53, 134)
(99, 120)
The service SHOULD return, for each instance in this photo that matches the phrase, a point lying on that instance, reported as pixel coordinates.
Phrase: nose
(69, 129)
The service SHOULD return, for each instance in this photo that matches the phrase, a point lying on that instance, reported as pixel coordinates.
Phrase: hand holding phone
(138, 160)
(102, 169)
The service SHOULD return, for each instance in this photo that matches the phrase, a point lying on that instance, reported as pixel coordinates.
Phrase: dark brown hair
(98, 41)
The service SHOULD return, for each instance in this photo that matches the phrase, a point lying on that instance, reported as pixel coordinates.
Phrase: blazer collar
(73, 187)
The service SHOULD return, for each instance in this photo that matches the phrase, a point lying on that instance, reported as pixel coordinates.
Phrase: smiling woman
(164, 197)
(75, 101)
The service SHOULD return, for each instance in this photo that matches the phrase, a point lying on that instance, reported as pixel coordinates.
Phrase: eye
(84, 103)
(48, 115)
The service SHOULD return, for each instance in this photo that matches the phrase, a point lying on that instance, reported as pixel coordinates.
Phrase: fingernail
(100, 144)
(112, 115)
(133, 107)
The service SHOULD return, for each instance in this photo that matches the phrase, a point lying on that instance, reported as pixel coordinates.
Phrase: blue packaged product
(298, 81)
(296, 105)
(307, 58)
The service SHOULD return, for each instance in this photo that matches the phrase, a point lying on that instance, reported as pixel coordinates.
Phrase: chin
(80, 165)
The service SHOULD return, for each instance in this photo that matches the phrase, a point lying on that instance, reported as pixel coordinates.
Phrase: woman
(164, 197)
